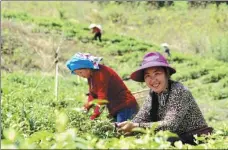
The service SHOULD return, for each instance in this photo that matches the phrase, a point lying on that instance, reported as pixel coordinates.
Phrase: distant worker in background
(97, 30)
(165, 46)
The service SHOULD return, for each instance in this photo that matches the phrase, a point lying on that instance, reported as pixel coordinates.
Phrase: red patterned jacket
(105, 84)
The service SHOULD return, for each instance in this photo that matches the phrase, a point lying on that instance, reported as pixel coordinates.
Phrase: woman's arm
(143, 116)
(177, 108)
(101, 81)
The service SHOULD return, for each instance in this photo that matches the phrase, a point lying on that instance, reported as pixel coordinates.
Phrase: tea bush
(32, 117)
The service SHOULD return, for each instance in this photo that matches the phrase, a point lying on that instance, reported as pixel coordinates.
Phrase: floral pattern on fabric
(179, 114)
(88, 56)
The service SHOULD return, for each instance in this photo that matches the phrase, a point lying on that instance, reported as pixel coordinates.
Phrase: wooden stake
(57, 69)
(56, 72)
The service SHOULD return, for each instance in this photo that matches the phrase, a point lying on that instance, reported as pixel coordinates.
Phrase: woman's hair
(167, 72)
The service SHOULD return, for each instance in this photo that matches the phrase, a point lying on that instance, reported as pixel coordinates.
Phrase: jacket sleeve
(143, 116)
(90, 98)
(102, 81)
(96, 113)
(177, 108)
(101, 89)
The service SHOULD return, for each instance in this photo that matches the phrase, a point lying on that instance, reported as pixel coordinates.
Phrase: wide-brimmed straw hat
(165, 45)
(95, 25)
(153, 59)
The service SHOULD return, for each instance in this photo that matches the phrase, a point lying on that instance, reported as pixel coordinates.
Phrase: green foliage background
(32, 117)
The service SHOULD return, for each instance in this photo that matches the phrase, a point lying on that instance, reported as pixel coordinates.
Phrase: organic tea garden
(34, 117)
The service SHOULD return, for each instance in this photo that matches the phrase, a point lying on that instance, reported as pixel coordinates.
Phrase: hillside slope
(28, 56)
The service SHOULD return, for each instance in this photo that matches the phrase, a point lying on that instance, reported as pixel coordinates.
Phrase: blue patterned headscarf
(83, 60)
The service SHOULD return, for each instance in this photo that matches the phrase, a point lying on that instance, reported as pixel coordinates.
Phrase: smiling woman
(169, 103)
(154, 76)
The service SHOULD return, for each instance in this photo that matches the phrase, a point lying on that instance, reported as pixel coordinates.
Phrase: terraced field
(31, 115)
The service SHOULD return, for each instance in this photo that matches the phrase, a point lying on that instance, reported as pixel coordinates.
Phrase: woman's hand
(127, 126)
(88, 105)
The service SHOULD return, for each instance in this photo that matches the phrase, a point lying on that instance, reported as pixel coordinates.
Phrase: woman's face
(155, 78)
(84, 73)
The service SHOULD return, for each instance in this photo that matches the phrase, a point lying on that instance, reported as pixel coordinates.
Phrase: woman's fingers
(127, 133)
(121, 124)
(125, 126)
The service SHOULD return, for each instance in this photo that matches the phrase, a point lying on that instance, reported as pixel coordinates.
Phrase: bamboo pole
(56, 72)
(57, 68)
